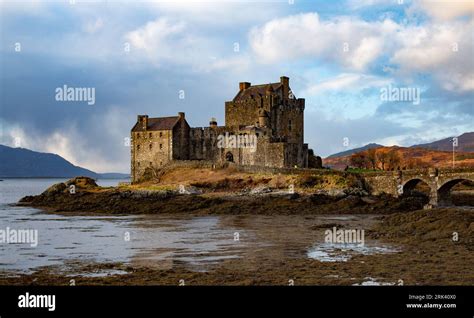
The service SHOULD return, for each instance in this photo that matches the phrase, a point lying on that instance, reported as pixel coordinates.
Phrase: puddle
(101, 273)
(330, 252)
(369, 281)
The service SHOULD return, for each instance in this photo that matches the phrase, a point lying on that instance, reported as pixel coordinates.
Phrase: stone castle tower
(264, 126)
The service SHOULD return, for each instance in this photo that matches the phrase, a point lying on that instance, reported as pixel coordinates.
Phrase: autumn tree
(393, 159)
(372, 157)
(382, 158)
(358, 160)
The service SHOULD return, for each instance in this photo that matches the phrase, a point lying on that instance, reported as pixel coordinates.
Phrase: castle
(263, 127)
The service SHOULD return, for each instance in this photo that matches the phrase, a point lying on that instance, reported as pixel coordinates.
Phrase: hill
(352, 151)
(412, 157)
(465, 143)
(25, 163)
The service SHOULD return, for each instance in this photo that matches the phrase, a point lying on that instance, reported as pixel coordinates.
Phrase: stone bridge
(440, 181)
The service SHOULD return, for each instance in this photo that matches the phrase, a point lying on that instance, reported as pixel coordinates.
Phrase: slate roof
(256, 91)
(158, 123)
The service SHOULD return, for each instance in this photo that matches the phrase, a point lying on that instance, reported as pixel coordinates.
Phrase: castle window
(151, 163)
(161, 146)
(289, 125)
(161, 134)
(138, 135)
(151, 135)
(138, 147)
(161, 163)
(138, 164)
(150, 146)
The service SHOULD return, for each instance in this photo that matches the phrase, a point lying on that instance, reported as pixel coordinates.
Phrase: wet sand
(417, 248)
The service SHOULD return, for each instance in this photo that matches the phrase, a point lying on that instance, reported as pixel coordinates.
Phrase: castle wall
(150, 150)
(267, 111)
(203, 143)
(245, 113)
(181, 141)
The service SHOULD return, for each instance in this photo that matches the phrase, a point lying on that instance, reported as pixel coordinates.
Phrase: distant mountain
(414, 157)
(352, 151)
(434, 154)
(465, 144)
(24, 163)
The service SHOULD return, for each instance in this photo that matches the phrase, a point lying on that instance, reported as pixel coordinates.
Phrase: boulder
(188, 190)
(55, 189)
(260, 190)
(82, 183)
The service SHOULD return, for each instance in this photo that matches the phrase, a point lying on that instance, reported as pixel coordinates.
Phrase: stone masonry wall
(151, 149)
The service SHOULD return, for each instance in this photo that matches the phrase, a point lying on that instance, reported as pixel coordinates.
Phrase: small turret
(262, 118)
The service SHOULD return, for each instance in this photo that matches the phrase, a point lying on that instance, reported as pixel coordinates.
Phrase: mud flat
(404, 244)
(410, 248)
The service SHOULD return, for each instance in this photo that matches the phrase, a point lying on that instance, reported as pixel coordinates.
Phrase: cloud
(445, 10)
(166, 41)
(351, 42)
(443, 50)
(94, 25)
(348, 82)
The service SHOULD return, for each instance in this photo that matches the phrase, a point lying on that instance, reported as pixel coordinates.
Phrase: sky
(164, 57)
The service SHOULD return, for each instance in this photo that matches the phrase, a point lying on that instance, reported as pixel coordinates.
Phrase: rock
(55, 189)
(82, 182)
(260, 190)
(338, 193)
(356, 191)
(367, 200)
(351, 200)
(188, 190)
(293, 196)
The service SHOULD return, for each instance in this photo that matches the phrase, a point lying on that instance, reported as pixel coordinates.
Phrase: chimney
(244, 85)
(285, 83)
(181, 115)
(143, 119)
(213, 123)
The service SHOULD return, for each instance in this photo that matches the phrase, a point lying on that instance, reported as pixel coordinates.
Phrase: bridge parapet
(397, 183)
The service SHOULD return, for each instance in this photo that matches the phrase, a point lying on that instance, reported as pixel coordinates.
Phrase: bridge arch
(444, 191)
(411, 185)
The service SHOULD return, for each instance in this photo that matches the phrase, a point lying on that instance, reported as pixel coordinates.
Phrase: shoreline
(425, 251)
(83, 195)
(425, 254)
